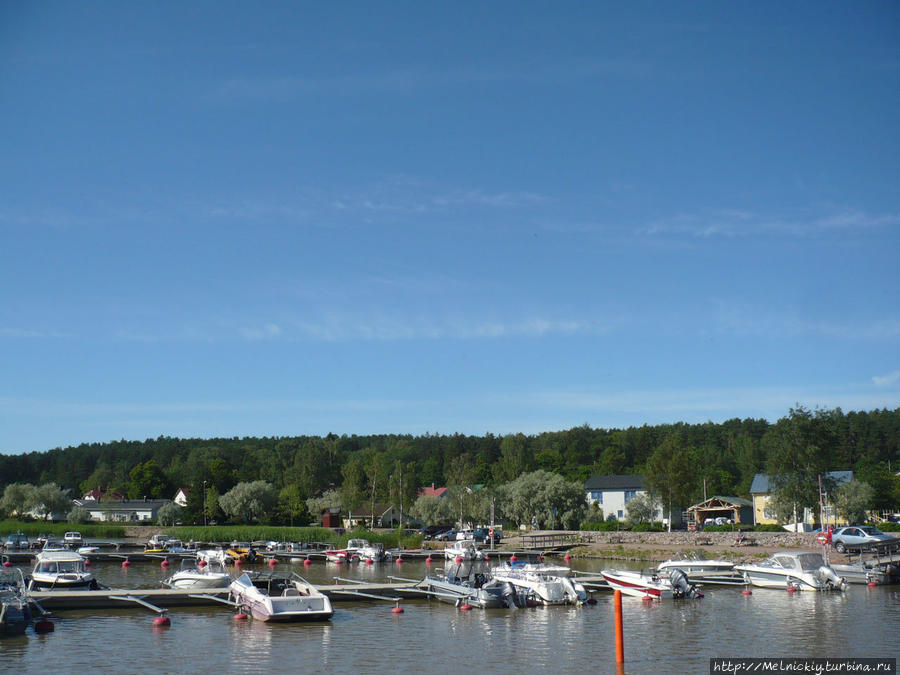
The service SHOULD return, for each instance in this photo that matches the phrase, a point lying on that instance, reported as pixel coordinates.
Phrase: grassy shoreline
(35, 528)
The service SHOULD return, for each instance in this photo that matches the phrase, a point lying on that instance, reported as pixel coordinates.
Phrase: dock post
(620, 642)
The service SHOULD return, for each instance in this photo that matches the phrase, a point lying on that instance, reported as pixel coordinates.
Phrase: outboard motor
(681, 586)
(830, 578)
(511, 596)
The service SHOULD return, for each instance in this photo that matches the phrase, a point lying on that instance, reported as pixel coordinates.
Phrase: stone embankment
(663, 545)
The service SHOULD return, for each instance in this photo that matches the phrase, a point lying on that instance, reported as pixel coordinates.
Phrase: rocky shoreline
(658, 546)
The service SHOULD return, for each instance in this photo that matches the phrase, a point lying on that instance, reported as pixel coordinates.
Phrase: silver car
(859, 537)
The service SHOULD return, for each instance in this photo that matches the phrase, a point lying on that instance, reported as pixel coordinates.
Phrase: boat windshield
(61, 567)
(810, 562)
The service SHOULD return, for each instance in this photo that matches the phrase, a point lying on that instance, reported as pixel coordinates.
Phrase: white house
(122, 511)
(181, 497)
(612, 494)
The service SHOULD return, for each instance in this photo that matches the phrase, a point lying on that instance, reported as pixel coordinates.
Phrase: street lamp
(204, 503)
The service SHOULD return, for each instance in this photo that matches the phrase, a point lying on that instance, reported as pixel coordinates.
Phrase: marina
(93, 627)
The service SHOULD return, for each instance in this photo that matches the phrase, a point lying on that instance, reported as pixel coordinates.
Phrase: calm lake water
(667, 637)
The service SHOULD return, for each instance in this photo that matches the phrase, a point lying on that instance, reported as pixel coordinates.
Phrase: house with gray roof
(763, 486)
(612, 494)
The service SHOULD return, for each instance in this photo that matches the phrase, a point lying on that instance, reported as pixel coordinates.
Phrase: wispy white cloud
(886, 380)
(734, 223)
(749, 321)
(285, 87)
(697, 404)
(27, 333)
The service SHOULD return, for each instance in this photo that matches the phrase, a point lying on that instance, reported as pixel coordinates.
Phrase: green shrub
(647, 527)
(888, 527)
(606, 526)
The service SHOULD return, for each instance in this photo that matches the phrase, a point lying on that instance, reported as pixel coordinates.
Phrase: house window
(620, 514)
(629, 494)
(597, 496)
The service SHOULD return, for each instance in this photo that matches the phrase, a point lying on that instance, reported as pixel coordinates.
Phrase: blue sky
(226, 219)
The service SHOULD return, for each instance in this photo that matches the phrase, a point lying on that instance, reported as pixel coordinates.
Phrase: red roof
(432, 491)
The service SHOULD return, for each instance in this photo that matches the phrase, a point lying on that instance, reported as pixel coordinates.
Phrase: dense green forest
(726, 456)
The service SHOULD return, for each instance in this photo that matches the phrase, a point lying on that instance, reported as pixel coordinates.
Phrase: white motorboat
(270, 598)
(362, 550)
(191, 575)
(465, 549)
(73, 538)
(654, 586)
(701, 570)
(470, 584)
(61, 570)
(794, 569)
(213, 556)
(543, 584)
(864, 572)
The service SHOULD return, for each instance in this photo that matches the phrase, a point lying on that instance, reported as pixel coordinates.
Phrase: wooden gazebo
(735, 508)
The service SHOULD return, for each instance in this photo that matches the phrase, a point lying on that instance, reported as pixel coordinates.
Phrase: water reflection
(430, 634)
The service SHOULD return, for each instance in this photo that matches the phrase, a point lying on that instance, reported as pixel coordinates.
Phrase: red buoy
(126, 563)
(164, 564)
(647, 599)
(44, 626)
(368, 561)
(238, 562)
(397, 610)
(240, 616)
(513, 558)
(202, 563)
(399, 560)
(6, 563)
(428, 560)
(459, 560)
(307, 562)
(466, 607)
(272, 562)
(747, 591)
(872, 584)
(487, 557)
(87, 562)
(791, 589)
(162, 621)
(566, 557)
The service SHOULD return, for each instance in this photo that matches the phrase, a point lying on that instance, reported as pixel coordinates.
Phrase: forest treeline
(380, 467)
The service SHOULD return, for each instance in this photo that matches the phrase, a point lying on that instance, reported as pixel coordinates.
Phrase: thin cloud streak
(886, 380)
(736, 223)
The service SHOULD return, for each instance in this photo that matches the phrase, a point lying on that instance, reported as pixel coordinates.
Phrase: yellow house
(761, 492)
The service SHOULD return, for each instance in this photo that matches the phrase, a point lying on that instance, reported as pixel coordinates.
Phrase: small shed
(736, 509)
(331, 517)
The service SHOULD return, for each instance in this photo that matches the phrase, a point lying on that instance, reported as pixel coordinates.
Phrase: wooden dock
(345, 591)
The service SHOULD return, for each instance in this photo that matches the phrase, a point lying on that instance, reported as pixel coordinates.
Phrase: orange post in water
(620, 641)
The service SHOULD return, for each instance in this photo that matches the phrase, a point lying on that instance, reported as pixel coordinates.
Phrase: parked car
(482, 535)
(856, 537)
(446, 535)
(430, 531)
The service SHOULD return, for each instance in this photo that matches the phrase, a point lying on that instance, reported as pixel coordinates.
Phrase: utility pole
(204, 503)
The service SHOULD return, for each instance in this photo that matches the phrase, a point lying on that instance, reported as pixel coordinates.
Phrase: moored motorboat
(470, 584)
(280, 599)
(365, 551)
(192, 575)
(793, 569)
(61, 570)
(654, 586)
(544, 584)
(212, 556)
(15, 614)
(466, 549)
(700, 570)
